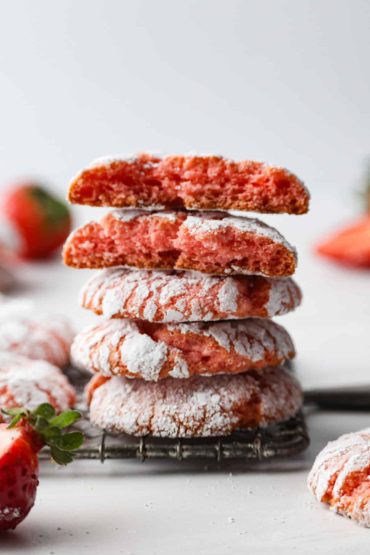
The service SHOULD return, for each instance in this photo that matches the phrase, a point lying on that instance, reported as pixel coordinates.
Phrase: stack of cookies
(187, 347)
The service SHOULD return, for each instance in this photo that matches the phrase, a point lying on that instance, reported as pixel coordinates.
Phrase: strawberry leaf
(70, 441)
(15, 411)
(65, 419)
(40, 424)
(45, 410)
(55, 211)
(61, 457)
(51, 435)
(15, 420)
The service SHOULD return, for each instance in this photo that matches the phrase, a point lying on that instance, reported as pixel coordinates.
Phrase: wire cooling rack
(259, 444)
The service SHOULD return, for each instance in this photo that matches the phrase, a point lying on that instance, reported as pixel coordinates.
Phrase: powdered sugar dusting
(118, 344)
(149, 312)
(209, 223)
(28, 383)
(125, 215)
(172, 287)
(228, 296)
(192, 242)
(173, 315)
(332, 459)
(356, 462)
(170, 216)
(283, 293)
(198, 407)
(340, 476)
(111, 158)
(143, 355)
(183, 297)
(180, 368)
(131, 349)
(250, 338)
(37, 336)
(125, 157)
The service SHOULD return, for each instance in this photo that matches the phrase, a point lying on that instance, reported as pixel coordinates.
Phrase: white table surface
(166, 508)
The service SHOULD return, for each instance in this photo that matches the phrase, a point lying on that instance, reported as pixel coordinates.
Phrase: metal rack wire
(260, 444)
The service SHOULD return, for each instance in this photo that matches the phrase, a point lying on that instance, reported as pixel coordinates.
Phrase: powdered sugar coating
(28, 383)
(131, 157)
(155, 351)
(284, 295)
(24, 332)
(210, 243)
(186, 296)
(116, 344)
(340, 476)
(196, 407)
(109, 159)
(142, 355)
(204, 224)
(126, 215)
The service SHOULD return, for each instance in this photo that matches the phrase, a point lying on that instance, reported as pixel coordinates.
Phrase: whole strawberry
(350, 245)
(20, 442)
(33, 221)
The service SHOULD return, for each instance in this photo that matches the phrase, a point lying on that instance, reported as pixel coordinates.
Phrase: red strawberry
(350, 246)
(20, 442)
(41, 221)
(18, 475)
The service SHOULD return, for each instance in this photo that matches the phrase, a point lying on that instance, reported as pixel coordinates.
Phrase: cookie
(34, 336)
(189, 181)
(197, 407)
(186, 296)
(29, 383)
(340, 476)
(210, 243)
(154, 351)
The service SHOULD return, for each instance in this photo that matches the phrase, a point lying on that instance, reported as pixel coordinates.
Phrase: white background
(284, 81)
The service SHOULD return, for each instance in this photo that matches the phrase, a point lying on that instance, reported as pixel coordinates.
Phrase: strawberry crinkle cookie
(34, 336)
(189, 181)
(340, 476)
(197, 407)
(28, 383)
(155, 351)
(206, 242)
(186, 296)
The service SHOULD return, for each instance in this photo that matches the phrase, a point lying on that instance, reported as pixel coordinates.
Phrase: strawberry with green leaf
(21, 438)
(33, 222)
